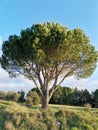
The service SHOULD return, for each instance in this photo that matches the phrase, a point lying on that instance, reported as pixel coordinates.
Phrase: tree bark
(45, 101)
(47, 94)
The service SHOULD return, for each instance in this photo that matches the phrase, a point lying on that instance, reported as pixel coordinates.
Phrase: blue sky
(20, 14)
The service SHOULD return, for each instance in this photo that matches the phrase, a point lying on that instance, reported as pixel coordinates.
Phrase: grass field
(15, 116)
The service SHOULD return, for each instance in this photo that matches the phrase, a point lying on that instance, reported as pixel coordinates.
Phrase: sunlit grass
(21, 117)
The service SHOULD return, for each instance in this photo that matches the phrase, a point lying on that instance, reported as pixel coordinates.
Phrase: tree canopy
(47, 53)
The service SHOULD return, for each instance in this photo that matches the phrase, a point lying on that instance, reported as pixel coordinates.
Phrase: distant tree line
(63, 95)
(12, 96)
(69, 96)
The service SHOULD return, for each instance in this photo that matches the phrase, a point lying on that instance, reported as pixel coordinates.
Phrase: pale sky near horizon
(16, 15)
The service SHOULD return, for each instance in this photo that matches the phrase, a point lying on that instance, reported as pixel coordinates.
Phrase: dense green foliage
(16, 117)
(48, 53)
(63, 95)
(33, 47)
(33, 98)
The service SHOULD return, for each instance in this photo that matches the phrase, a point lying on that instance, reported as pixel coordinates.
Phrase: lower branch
(64, 78)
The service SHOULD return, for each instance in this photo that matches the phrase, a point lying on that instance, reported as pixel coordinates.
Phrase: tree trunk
(45, 101)
(47, 94)
(46, 98)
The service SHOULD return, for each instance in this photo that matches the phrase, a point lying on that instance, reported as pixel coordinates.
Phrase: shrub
(2, 95)
(12, 96)
(9, 126)
(49, 119)
(74, 128)
(87, 127)
(33, 98)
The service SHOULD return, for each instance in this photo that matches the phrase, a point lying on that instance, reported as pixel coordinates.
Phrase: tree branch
(64, 78)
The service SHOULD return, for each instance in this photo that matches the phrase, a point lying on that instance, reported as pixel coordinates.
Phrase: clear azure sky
(16, 15)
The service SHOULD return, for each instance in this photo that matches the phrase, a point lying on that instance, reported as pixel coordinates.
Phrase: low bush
(9, 125)
(33, 98)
